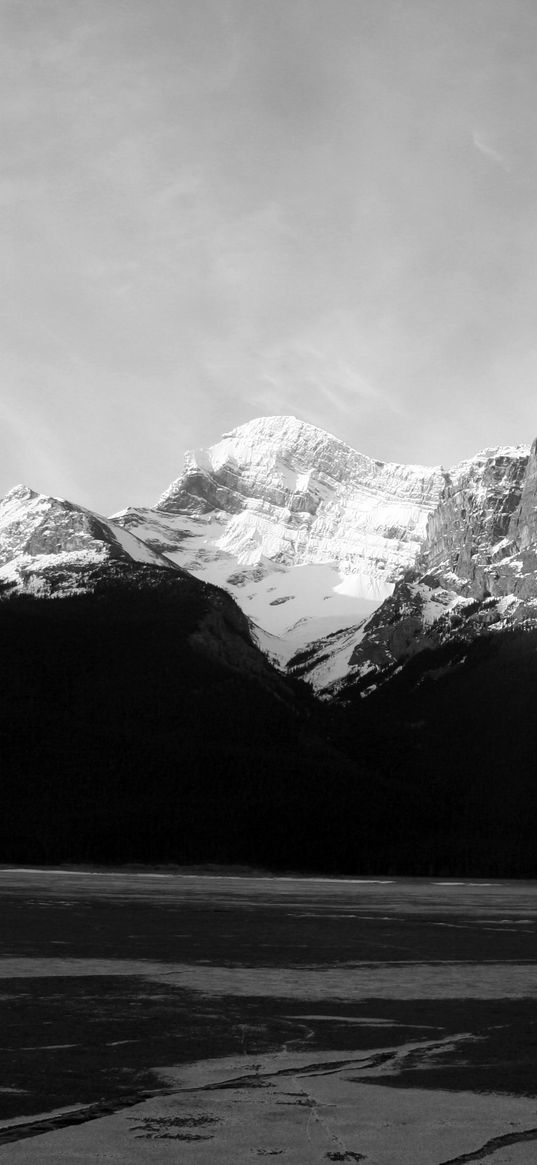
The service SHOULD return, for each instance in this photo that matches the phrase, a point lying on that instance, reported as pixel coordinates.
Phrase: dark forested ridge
(126, 736)
(457, 728)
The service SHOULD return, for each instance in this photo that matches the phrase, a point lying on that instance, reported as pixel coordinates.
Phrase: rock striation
(472, 531)
(482, 540)
(307, 534)
(295, 495)
(523, 525)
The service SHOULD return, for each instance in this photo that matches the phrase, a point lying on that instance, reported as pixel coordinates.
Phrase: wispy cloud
(488, 151)
(321, 374)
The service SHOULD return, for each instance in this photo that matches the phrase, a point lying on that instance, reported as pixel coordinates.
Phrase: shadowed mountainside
(136, 727)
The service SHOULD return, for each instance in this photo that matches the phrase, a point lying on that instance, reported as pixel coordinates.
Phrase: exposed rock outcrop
(476, 571)
(468, 529)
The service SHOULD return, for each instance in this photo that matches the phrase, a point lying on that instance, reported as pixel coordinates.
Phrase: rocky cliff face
(482, 540)
(469, 529)
(404, 624)
(523, 524)
(476, 572)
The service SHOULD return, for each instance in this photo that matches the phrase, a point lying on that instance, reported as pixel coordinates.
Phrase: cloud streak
(488, 151)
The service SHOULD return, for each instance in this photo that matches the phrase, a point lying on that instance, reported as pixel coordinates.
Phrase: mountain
(344, 566)
(347, 566)
(476, 573)
(51, 548)
(307, 534)
(141, 721)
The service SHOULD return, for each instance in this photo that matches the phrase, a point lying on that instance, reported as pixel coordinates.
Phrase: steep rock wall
(471, 525)
(286, 491)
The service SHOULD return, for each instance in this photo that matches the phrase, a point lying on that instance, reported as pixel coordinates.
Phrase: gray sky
(215, 209)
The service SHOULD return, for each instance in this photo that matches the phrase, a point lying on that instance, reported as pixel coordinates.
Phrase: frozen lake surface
(309, 1019)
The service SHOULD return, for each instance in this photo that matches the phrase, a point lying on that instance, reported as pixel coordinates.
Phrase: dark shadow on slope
(457, 728)
(141, 724)
(135, 727)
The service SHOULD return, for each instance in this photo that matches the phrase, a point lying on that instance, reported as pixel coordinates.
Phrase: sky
(213, 210)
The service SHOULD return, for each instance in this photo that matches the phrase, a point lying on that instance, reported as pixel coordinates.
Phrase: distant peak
(280, 427)
(276, 421)
(287, 435)
(20, 493)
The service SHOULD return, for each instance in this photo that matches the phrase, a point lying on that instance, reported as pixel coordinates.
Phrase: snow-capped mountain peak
(292, 465)
(288, 492)
(296, 524)
(47, 544)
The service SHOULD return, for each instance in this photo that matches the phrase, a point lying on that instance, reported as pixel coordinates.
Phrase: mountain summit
(297, 496)
(344, 565)
(306, 533)
(51, 546)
